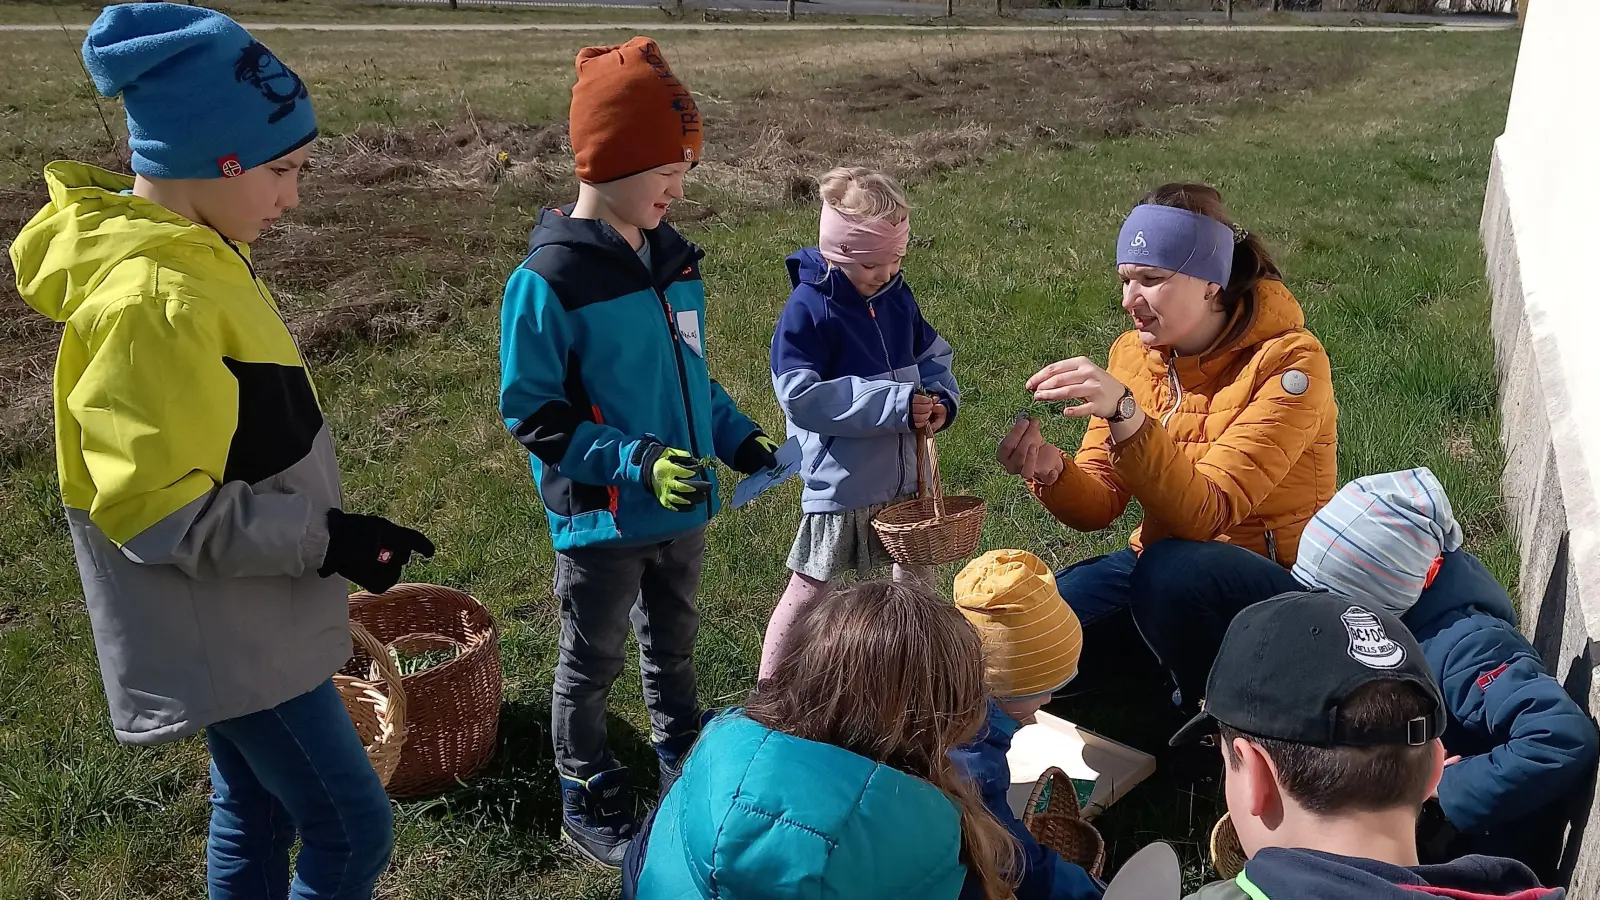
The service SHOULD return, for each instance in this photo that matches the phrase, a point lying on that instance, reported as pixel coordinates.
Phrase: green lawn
(1361, 159)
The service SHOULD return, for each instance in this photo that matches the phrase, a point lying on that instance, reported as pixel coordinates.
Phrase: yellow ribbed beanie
(1031, 638)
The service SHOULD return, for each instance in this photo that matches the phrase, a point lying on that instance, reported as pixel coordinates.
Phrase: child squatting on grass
(199, 476)
(836, 779)
(858, 372)
(604, 380)
(1031, 645)
(1329, 721)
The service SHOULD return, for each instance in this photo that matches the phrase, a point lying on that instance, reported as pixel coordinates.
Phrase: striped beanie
(1379, 541)
(1031, 638)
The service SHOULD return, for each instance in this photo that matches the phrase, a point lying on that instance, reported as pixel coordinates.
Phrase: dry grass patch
(402, 224)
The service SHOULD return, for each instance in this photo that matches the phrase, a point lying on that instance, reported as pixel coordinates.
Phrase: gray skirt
(828, 545)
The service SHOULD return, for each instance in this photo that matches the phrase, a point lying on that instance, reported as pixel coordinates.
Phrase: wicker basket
(452, 709)
(1227, 854)
(1055, 821)
(933, 529)
(377, 704)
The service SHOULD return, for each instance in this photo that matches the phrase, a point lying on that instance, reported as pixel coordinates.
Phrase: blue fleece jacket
(599, 359)
(844, 368)
(762, 815)
(1045, 876)
(1526, 746)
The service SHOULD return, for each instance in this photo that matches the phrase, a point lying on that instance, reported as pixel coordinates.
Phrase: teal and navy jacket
(599, 359)
(1277, 873)
(761, 814)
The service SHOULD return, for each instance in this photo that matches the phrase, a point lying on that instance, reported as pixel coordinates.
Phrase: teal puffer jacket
(761, 814)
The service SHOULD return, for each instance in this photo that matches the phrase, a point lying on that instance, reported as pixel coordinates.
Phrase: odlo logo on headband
(1138, 243)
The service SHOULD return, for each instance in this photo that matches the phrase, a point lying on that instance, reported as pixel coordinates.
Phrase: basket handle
(383, 668)
(930, 485)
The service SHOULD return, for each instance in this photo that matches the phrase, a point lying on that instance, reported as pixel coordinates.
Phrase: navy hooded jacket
(1279, 874)
(844, 368)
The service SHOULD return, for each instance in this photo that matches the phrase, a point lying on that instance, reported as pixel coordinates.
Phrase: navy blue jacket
(1526, 746)
(1280, 874)
(1045, 876)
(844, 368)
(599, 358)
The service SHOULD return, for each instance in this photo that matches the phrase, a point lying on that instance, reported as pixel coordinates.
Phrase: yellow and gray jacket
(195, 465)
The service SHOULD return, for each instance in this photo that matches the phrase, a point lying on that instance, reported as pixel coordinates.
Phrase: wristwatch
(1126, 407)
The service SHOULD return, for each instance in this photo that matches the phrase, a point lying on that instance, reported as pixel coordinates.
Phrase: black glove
(370, 550)
(758, 452)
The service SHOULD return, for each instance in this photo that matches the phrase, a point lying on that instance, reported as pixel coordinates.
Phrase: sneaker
(670, 755)
(597, 816)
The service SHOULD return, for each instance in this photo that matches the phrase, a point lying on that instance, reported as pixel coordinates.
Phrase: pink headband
(871, 242)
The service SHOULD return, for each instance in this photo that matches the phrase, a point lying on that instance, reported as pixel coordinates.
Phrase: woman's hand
(1024, 452)
(1078, 379)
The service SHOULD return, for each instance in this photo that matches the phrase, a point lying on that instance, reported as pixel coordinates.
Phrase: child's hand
(922, 407)
(941, 415)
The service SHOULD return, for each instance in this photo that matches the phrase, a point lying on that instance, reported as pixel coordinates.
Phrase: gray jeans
(601, 590)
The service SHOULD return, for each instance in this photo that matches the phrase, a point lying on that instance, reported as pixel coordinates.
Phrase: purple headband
(1170, 238)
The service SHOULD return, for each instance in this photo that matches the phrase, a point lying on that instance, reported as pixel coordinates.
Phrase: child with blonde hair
(859, 373)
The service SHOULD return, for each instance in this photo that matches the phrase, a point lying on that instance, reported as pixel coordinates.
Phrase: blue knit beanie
(204, 99)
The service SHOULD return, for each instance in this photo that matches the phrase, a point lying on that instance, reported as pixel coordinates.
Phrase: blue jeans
(1165, 611)
(298, 768)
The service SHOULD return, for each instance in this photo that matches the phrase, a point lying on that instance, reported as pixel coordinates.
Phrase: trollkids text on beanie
(204, 98)
(630, 114)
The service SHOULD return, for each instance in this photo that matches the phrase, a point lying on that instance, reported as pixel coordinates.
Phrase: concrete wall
(1541, 233)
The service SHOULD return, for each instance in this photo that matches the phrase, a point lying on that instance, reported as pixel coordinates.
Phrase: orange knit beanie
(630, 114)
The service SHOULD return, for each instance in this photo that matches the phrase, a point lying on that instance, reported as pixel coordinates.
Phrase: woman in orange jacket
(1216, 412)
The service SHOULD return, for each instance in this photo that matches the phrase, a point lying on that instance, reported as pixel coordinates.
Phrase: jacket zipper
(1272, 546)
(683, 374)
(872, 312)
(1175, 386)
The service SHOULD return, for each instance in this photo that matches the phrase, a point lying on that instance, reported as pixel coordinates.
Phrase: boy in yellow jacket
(198, 474)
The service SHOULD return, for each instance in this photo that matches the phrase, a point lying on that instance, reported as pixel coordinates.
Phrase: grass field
(1361, 159)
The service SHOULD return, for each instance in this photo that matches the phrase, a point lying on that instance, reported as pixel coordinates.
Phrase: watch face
(1127, 407)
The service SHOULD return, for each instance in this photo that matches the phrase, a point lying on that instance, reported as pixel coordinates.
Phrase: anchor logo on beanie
(1370, 645)
(258, 68)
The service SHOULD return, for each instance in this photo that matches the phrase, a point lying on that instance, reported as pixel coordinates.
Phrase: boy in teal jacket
(604, 381)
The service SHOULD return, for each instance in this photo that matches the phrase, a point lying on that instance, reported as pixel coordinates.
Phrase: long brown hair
(892, 672)
(1252, 264)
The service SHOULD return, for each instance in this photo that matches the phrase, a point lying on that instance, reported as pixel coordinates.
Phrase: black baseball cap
(1288, 664)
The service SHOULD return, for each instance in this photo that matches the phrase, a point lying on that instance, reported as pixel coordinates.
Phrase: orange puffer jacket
(1239, 443)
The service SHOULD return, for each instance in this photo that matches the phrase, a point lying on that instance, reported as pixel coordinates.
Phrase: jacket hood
(806, 266)
(1280, 874)
(761, 814)
(556, 227)
(83, 233)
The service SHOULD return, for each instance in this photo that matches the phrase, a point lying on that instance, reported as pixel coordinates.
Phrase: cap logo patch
(1370, 645)
(278, 84)
(229, 166)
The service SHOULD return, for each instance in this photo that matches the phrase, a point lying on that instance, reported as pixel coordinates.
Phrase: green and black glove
(677, 479)
(757, 453)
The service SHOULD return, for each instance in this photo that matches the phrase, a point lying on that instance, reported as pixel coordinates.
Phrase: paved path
(806, 26)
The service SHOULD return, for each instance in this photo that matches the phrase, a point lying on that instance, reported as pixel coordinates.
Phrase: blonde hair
(864, 193)
(892, 672)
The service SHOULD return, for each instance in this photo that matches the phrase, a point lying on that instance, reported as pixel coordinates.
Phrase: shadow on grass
(516, 799)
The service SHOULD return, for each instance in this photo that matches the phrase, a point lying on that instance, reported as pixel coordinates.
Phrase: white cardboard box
(1111, 767)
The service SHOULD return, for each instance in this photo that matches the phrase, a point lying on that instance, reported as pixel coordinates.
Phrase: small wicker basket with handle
(453, 708)
(933, 529)
(1056, 822)
(376, 703)
(1227, 854)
